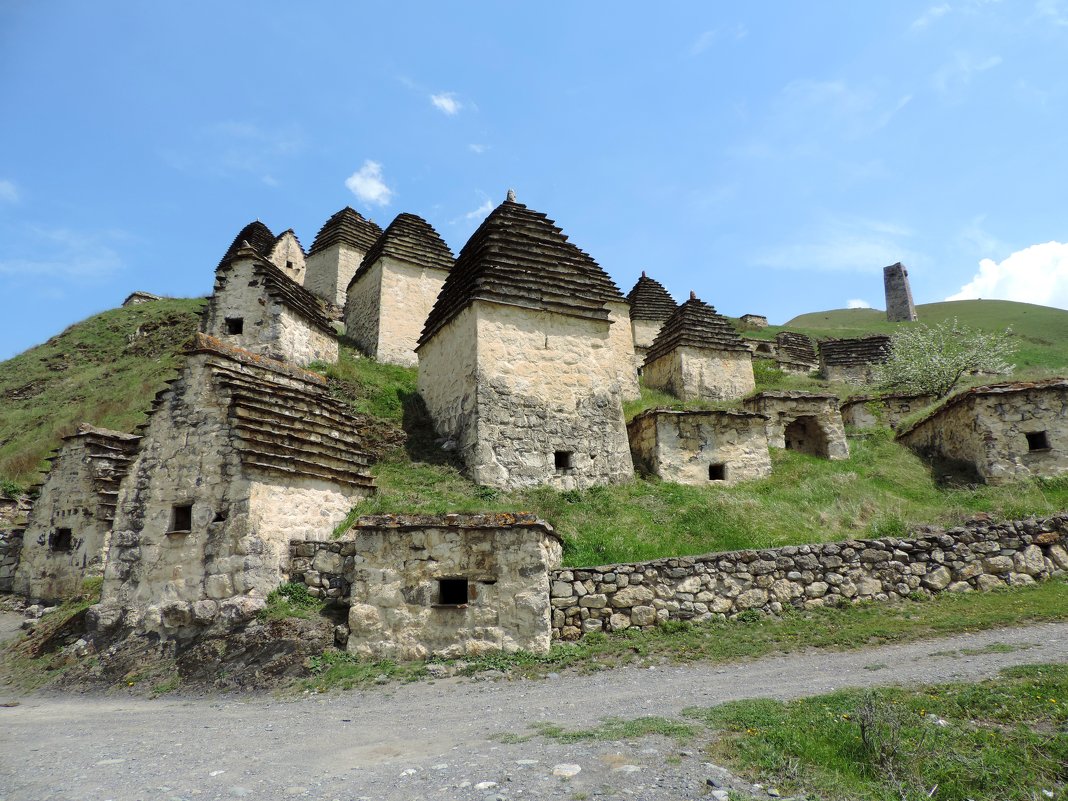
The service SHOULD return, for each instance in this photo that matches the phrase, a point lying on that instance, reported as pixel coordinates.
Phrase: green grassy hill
(104, 371)
(1040, 332)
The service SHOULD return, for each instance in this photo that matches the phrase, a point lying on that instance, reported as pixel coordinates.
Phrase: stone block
(937, 579)
(218, 586)
(594, 601)
(643, 616)
(634, 595)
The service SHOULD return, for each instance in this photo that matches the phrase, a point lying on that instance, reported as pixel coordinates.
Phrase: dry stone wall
(702, 374)
(807, 422)
(329, 271)
(977, 556)
(10, 551)
(871, 411)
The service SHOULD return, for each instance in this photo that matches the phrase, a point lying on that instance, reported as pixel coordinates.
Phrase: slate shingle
(411, 239)
(695, 324)
(650, 301)
(348, 226)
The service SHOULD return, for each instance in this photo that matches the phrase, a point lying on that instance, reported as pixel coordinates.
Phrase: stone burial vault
(527, 356)
(806, 422)
(650, 307)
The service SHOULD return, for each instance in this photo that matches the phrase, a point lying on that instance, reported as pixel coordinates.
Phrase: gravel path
(444, 739)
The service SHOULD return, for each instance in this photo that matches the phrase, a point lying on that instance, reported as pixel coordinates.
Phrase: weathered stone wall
(68, 531)
(701, 374)
(853, 361)
(387, 307)
(978, 556)
(546, 383)
(448, 377)
(987, 432)
(686, 447)
(621, 342)
(753, 321)
(389, 570)
(871, 411)
(10, 551)
(803, 421)
(269, 327)
(288, 256)
(329, 271)
(363, 310)
(235, 549)
(644, 332)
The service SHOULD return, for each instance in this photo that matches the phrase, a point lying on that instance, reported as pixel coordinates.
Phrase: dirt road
(447, 739)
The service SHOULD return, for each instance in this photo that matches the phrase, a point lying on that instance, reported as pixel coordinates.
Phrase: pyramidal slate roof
(348, 227)
(695, 324)
(409, 238)
(650, 301)
(520, 257)
(257, 235)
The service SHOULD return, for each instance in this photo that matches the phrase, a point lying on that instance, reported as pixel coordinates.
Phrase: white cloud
(481, 211)
(60, 253)
(845, 245)
(961, 70)
(367, 184)
(857, 303)
(1052, 11)
(477, 149)
(9, 193)
(712, 35)
(447, 103)
(930, 15)
(1037, 274)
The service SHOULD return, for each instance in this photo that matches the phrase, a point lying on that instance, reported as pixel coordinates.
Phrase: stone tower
(899, 306)
(650, 307)
(336, 253)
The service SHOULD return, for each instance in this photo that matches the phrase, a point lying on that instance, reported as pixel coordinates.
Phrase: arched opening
(805, 435)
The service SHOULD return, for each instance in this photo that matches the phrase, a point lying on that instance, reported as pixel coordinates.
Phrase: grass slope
(1039, 332)
(104, 371)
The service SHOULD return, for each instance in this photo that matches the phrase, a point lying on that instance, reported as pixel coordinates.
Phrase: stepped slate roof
(695, 324)
(650, 301)
(257, 235)
(111, 454)
(520, 257)
(409, 238)
(279, 287)
(871, 349)
(348, 227)
(796, 348)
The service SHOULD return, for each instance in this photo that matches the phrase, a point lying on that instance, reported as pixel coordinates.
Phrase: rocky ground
(447, 739)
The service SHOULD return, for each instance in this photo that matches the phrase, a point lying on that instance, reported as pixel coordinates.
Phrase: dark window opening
(562, 460)
(182, 518)
(452, 592)
(717, 472)
(220, 516)
(289, 265)
(1037, 440)
(62, 539)
(235, 325)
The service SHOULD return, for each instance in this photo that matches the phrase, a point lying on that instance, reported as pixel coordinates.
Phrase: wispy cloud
(480, 212)
(857, 303)
(1053, 12)
(713, 35)
(447, 103)
(9, 193)
(961, 70)
(237, 147)
(477, 149)
(844, 245)
(1036, 274)
(64, 254)
(367, 184)
(931, 15)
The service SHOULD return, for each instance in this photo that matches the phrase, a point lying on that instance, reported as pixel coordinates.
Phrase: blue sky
(772, 157)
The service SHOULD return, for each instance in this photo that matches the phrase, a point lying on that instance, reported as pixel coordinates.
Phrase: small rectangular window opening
(452, 591)
(182, 518)
(61, 540)
(235, 325)
(1037, 440)
(563, 459)
(717, 472)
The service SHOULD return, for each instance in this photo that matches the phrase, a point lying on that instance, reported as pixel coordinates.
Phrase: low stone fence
(977, 556)
(10, 550)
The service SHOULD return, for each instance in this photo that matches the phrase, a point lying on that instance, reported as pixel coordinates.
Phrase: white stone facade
(329, 271)
(529, 397)
(246, 313)
(692, 373)
(387, 306)
(700, 448)
(621, 341)
(288, 256)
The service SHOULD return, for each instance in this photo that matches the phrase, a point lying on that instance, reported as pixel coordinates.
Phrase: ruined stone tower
(520, 358)
(899, 306)
(650, 307)
(394, 289)
(336, 253)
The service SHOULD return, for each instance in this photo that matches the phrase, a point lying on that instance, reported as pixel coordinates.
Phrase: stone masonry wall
(621, 341)
(408, 293)
(871, 411)
(288, 256)
(824, 435)
(702, 374)
(327, 273)
(10, 550)
(644, 332)
(977, 556)
(363, 310)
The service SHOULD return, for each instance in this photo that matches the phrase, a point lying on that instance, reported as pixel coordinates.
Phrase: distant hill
(104, 370)
(1041, 332)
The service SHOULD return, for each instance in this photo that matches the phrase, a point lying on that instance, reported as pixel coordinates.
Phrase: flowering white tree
(927, 359)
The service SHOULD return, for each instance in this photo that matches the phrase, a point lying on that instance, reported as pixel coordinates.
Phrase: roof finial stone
(644, 275)
(510, 197)
(693, 295)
